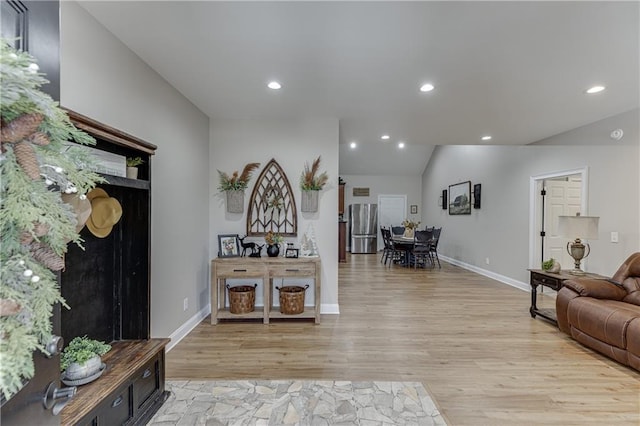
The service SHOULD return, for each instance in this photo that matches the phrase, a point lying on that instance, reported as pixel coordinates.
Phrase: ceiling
(517, 71)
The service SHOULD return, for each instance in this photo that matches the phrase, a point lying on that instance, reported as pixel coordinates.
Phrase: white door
(392, 210)
(563, 199)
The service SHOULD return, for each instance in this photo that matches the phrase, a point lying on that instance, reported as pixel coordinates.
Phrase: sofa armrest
(564, 297)
(598, 289)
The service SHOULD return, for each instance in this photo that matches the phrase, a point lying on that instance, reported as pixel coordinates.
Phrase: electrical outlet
(185, 304)
(614, 237)
(486, 260)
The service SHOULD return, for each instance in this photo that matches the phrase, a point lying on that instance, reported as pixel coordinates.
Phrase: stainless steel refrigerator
(363, 228)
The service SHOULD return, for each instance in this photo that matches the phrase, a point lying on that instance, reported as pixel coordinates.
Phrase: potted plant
(81, 358)
(132, 166)
(233, 186)
(551, 265)
(409, 228)
(311, 182)
(273, 241)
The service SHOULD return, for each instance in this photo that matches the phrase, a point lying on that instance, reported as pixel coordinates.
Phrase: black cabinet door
(35, 27)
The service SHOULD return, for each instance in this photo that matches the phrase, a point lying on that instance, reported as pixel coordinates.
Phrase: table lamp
(578, 227)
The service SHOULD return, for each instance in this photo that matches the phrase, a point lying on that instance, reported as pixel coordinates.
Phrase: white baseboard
(186, 328)
(332, 309)
(502, 278)
(193, 322)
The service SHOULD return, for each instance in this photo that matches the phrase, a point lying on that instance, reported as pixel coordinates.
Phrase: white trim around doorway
(534, 203)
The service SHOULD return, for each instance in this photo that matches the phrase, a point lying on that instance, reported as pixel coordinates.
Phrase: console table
(551, 280)
(266, 269)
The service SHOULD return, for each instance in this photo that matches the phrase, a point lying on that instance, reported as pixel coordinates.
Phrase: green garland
(28, 286)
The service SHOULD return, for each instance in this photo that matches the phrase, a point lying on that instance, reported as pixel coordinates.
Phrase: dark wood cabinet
(117, 409)
(341, 198)
(342, 226)
(342, 241)
(107, 286)
(130, 390)
(107, 283)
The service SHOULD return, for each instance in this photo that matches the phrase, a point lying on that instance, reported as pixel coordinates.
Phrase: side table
(551, 280)
(546, 279)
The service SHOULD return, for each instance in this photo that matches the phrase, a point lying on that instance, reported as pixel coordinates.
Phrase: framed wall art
(460, 198)
(414, 209)
(228, 245)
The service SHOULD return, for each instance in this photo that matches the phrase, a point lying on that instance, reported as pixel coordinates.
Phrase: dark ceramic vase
(273, 250)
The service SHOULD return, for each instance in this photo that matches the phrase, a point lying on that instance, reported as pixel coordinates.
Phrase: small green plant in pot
(551, 265)
(81, 357)
(132, 166)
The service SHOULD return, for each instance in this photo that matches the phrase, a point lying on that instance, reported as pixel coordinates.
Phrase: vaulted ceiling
(516, 71)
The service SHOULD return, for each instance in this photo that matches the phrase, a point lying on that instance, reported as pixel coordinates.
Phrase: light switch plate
(614, 236)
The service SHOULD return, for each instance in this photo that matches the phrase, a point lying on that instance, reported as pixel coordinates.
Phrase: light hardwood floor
(468, 339)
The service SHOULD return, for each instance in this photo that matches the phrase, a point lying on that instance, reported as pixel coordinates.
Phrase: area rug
(291, 402)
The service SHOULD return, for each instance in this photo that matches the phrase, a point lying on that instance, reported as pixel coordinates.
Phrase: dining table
(401, 239)
(405, 244)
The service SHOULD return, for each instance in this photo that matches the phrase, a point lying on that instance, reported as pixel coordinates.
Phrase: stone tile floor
(291, 402)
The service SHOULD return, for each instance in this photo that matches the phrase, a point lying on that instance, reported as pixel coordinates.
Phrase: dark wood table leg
(534, 293)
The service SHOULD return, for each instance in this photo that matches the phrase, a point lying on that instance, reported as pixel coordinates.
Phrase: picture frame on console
(228, 245)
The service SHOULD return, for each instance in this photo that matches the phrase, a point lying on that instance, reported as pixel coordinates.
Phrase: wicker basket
(292, 299)
(242, 298)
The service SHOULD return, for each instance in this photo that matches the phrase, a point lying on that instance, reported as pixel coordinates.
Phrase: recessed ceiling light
(486, 138)
(400, 145)
(353, 145)
(595, 89)
(384, 137)
(274, 85)
(427, 87)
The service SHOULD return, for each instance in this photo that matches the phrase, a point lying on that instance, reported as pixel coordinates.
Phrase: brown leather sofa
(605, 314)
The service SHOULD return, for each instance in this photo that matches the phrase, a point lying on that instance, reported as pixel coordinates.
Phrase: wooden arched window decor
(272, 206)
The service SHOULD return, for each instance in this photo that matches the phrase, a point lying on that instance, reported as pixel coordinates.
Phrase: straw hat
(81, 208)
(105, 212)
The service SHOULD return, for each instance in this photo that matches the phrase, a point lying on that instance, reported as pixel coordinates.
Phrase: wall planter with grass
(233, 186)
(311, 183)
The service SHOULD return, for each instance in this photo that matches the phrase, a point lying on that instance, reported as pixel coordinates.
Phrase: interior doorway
(392, 210)
(562, 198)
(553, 195)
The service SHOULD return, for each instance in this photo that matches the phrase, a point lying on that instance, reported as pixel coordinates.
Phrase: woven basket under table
(292, 299)
(242, 298)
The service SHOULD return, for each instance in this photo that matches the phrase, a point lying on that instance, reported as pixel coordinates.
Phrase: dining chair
(421, 252)
(388, 244)
(433, 247)
(398, 251)
(397, 230)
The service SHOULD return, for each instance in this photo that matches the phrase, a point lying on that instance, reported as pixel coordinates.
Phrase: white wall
(102, 79)
(599, 133)
(500, 229)
(411, 186)
(291, 143)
